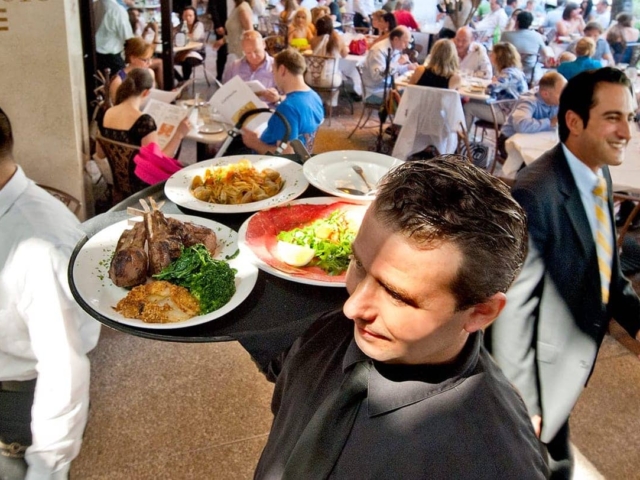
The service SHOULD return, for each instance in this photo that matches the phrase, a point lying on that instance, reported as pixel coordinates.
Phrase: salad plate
(97, 295)
(333, 171)
(178, 185)
(265, 257)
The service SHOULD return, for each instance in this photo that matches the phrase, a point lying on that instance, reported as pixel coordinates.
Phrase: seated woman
(508, 84)
(149, 33)
(289, 12)
(301, 30)
(195, 33)
(127, 124)
(442, 70)
(619, 35)
(319, 12)
(584, 50)
(137, 54)
(572, 21)
(383, 23)
(327, 43)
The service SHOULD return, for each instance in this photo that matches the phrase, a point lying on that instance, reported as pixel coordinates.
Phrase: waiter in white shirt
(114, 29)
(44, 370)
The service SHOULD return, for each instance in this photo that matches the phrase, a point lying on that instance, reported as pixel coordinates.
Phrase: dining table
(267, 322)
(524, 148)
(189, 46)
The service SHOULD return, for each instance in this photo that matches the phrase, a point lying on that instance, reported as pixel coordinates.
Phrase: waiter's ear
(481, 315)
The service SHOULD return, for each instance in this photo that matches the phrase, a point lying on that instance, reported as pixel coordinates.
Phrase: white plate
(332, 170)
(177, 187)
(245, 248)
(91, 274)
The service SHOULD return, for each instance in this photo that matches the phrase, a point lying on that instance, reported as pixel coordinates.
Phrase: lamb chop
(129, 264)
(192, 234)
(164, 245)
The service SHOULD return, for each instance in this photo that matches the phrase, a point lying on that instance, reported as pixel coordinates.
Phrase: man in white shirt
(113, 31)
(363, 10)
(602, 15)
(373, 73)
(44, 370)
(496, 18)
(472, 55)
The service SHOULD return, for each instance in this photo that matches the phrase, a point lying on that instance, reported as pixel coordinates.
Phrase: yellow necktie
(604, 238)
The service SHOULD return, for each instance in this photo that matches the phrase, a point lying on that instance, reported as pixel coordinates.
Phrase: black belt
(15, 386)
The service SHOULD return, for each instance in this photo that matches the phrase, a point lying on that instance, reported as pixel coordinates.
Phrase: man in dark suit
(547, 337)
(218, 11)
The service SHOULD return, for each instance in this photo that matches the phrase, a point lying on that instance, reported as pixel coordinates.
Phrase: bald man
(472, 55)
(256, 64)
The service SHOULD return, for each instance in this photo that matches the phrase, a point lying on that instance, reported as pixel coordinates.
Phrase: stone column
(42, 90)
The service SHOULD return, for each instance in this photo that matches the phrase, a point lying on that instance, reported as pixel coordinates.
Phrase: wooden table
(188, 46)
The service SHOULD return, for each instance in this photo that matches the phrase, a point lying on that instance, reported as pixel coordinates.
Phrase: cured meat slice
(263, 229)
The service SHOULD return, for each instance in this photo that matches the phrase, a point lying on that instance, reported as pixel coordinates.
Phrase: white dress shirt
(364, 8)
(476, 61)
(374, 66)
(45, 334)
(114, 29)
(492, 20)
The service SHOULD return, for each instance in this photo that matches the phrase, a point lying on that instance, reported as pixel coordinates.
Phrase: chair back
(347, 22)
(69, 200)
(529, 62)
(120, 157)
(274, 44)
(368, 100)
(321, 73)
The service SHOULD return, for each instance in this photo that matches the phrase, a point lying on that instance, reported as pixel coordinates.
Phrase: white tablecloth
(527, 147)
(347, 66)
(429, 116)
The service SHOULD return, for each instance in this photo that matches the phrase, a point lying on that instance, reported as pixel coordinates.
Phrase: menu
(167, 118)
(236, 97)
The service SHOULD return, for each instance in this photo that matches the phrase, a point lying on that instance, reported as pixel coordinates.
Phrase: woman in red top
(404, 16)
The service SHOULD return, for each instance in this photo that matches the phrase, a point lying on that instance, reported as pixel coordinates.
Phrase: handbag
(358, 46)
(153, 166)
(393, 100)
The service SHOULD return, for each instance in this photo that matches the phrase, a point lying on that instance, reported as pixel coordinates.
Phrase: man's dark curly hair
(447, 199)
(6, 136)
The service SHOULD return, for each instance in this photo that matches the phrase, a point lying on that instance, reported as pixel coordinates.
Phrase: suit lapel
(573, 204)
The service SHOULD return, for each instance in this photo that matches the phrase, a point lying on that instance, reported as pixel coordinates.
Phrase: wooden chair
(321, 77)
(120, 157)
(370, 103)
(499, 109)
(621, 197)
(69, 200)
(274, 44)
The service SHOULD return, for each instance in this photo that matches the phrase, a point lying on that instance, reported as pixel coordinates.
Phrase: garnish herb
(211, 281)
(331, 238)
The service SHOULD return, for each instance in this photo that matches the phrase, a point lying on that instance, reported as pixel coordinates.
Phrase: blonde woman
(442, 70)
(301, 30)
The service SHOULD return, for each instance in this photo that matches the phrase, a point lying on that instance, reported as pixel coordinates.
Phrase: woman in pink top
(404, 16)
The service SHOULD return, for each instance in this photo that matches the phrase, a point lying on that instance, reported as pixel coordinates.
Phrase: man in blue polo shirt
(302, 107)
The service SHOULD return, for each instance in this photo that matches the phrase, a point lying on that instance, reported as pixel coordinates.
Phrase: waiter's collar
(16, 185)
(396, 386)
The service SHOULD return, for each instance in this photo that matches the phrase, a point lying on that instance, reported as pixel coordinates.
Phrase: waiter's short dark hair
(6, 136)
(579, 94)
(447, 199)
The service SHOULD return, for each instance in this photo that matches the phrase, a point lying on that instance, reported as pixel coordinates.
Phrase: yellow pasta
(236, 183)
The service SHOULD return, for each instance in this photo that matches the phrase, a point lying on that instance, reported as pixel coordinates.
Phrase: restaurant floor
(201, 411)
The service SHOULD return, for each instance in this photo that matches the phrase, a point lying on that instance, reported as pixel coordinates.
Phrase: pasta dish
(236, 183)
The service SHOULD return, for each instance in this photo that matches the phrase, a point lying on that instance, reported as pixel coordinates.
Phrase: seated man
(528, 43)
(44, 369)
(398, 383)
(256, 64)
(536, 111)
(497, 18)
(373, 73)
(472, 55)
(593, 30)
(302, 107)
(584, 49)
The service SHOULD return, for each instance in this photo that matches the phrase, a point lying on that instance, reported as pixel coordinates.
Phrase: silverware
(353, 191)
(359, 171)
